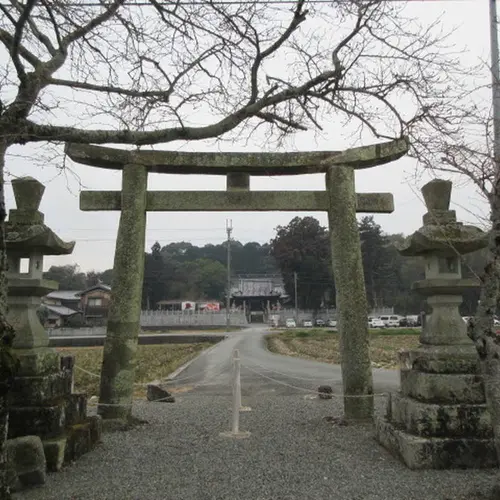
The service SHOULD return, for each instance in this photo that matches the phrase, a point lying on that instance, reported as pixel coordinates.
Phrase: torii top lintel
(173, 162)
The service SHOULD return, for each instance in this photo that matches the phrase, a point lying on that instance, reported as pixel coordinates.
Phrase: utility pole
(495, 77)
(229, 229)
(296, 299)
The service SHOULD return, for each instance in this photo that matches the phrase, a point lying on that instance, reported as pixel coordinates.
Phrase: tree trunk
(481, 328)
(7, 364)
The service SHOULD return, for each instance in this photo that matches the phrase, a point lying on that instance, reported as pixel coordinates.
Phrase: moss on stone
(118, 368)
(236, 200)
(351, 295)
(299, 162)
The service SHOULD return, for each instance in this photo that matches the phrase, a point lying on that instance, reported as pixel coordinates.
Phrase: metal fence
(160, 319)
(191, 318)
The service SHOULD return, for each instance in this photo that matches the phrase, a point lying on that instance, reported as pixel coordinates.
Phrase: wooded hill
(181, 270)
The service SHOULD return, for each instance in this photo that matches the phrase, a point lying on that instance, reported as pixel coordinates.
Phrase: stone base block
(79, 441)
(429, 420)
(43, 390)
(441, 359)
(37, 362)
(44, 421)
(435, 453)
(442, 388)
(25, 461)
(95, 429)
(76, 408)
(54, 450)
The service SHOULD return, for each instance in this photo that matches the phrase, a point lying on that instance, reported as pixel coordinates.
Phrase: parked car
(290, 323)
(413, 320)
(332, 323)
(391, 321)
(308, 323)
(320, 322)
(375, 323)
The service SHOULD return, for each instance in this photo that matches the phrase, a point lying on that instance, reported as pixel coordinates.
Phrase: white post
(235, 427)
(236, 391)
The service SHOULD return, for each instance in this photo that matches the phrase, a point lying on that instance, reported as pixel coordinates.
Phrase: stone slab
(42, 390)
(54, 453)
(76, 408)
(36, 362)
(95, 422)
(79, 441)
(299, 162)
(235, 201)
(441, 359)
(435, 453)
(442, 388)
(437, 420)
(44, 421)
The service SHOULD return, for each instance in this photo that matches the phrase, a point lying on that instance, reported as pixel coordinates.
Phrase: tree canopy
(181, 270)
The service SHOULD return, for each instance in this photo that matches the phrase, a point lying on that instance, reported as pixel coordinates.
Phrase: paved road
(263, 372)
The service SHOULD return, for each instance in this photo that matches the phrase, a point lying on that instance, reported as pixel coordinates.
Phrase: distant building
(258, 296)
(188, 305)
(60, 307)
(92, 304)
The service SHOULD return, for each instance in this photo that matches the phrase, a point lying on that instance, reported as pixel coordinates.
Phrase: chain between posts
(236, 384)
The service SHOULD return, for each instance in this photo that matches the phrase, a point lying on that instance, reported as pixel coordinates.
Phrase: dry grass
(153, 362)
(324, 346)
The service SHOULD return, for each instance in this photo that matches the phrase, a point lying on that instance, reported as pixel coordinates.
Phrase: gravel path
(292, 453)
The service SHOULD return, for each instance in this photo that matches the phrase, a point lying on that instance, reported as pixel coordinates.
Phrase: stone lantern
(40, 401)
(439, 419)
(28, 238)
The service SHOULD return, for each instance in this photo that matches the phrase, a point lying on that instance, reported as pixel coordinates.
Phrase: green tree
(206, 279)
(302, 247)
(69, 277)
(154, 286)
(94, 277)
(380, 264)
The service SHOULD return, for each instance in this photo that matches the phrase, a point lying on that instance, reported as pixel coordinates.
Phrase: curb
(186, 365)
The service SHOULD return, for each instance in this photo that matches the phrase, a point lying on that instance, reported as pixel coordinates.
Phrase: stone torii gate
(339, 199)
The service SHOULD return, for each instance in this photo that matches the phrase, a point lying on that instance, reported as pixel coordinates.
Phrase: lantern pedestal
(439, 419)
(41, 401)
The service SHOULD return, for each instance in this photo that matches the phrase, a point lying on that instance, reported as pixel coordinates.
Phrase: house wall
(92, 310)
(51, 302)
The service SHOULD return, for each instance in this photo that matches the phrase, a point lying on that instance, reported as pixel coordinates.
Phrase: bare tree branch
(18, 34)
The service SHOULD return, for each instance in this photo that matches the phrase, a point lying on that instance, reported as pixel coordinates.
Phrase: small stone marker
(325, 392)
(25, 462)
(160, 394)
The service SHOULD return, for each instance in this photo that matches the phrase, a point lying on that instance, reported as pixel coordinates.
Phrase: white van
(391, 321)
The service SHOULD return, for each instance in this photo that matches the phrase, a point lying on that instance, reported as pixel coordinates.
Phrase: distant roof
(100, 286)
(61, 310)
(257, 287)
(64, 295)
(176, 301)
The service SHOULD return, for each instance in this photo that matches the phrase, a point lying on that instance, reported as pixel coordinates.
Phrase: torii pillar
(339, 199)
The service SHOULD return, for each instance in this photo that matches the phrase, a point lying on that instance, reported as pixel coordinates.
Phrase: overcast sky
(95, 232)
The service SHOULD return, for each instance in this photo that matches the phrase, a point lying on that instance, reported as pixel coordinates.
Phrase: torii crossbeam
(339, 200)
